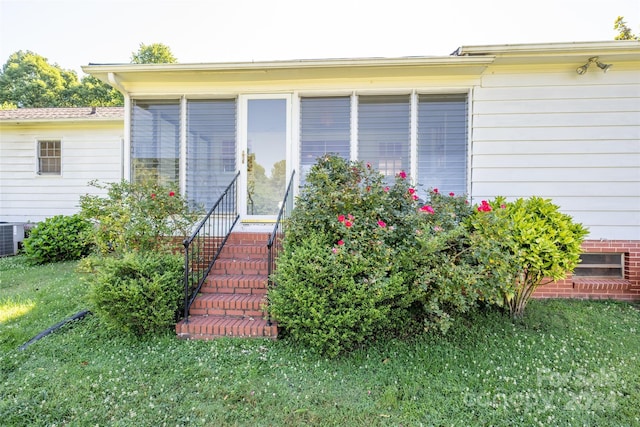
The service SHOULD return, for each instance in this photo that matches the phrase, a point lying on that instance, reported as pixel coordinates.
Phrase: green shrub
(138, 293)
(142, 216)
(363, 258)
(538, 243)
(59, 238)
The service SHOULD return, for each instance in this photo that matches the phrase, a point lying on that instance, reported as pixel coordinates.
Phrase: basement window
(49, 157)
(600, 265)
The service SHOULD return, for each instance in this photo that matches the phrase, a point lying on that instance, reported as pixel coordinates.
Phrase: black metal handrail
(274, 244)
(204, 245)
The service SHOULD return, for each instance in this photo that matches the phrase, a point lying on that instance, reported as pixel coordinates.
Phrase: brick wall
(625, 289)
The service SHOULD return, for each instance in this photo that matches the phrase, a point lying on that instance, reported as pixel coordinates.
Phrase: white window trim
(37, 158)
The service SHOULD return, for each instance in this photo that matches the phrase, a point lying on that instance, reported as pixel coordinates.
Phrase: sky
(72, 33)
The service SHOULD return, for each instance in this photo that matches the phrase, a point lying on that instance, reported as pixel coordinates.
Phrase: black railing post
(275, 239)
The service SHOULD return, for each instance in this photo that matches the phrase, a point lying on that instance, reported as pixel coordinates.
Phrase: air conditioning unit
(10, 235)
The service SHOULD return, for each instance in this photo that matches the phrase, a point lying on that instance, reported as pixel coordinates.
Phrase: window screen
(442, 143)
(211, 149)
(155, 141)
(600, 265)
(325, 127)
(384, 133)
(49, 158)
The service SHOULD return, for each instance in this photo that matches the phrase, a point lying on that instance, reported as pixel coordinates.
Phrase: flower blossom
(386, 189)
(348, 223)
(428, 209)
(452, 194)
(340, 218)
(171, 193)
(402, 174)
(415, 197)
(382, 224)
(484, 207)
(412, 190)
(340, 242)
(435, 190)
(503, 206)
(153, 196)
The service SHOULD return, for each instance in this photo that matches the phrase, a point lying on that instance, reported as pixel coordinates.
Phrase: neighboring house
(48, 156)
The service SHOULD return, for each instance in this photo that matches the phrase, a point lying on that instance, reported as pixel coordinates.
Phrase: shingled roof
(62, 114)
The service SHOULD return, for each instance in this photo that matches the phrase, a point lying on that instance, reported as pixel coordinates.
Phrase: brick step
(244, 252)
(211, 327)
(258, 239)
(235, 284)
(247, 266)
(230, 305)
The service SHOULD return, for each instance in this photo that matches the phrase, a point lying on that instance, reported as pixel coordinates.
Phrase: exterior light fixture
(593, 60)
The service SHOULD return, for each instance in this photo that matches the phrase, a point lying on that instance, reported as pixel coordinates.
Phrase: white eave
(568, 48)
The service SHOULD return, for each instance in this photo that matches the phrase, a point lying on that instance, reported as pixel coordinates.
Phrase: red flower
(386, 189)
(340, 242)
(348, 223)
(368, 165)
(368, 188)
(415, 197)
(452, 194)
(428, 209)
(382, 224)
(341, 218)
(153, 196)
(402, 174)
(503, 206)
(412, 190)
(435, 190)
(171, 194)
(484, 207)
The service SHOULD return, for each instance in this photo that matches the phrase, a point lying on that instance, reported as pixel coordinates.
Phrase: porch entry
(264, 153)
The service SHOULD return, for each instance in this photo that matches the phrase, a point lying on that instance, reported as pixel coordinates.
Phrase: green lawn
(567, 363)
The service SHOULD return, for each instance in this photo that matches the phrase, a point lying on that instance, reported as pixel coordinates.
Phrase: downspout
(125, 166)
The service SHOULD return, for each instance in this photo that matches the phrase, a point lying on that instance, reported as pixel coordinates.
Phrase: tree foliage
(155, 53)
(624, 32)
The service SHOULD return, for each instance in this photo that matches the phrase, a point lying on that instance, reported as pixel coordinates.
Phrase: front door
(264, 144)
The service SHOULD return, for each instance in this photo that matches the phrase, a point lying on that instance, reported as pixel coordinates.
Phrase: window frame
(40, 157)
(603, 265)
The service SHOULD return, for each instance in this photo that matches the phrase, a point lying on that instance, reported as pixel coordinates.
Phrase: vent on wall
(10, 235)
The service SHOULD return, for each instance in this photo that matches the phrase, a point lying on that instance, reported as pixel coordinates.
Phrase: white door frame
(242, 132)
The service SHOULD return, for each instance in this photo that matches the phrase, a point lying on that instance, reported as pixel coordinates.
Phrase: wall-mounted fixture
(593, 60)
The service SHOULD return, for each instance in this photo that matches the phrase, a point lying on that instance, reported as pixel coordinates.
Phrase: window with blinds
(325, 127)
(442, 143)
(49, 157)
(211, 149)
(384, 127)
(155, 141)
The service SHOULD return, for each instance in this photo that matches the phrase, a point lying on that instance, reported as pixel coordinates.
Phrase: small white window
(49, 157)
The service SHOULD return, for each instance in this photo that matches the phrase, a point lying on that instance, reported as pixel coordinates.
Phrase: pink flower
(171, 193)
(340, 242)
(386, 189)
(412, 191)
(503, 206)
(341, 218)
(153, 196)
(382, 224)
(452, 194)
(368, 165)
(334, 250)
(350, 217)
(427, 209)
(348, 223)
(484, 207)
(437, 228)
(402, 174)
(435, 190)
(415, 197)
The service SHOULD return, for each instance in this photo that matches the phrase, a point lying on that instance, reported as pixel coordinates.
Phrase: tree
(95, 93)
(155, 53)
(28, 80)
(624, 32)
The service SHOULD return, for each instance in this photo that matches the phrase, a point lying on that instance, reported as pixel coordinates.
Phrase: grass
(566, 363)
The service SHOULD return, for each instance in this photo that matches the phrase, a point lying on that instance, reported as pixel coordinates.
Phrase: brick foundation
(626, 289)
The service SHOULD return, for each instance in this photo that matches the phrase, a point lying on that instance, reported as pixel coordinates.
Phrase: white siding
(89, 151)
(574, 139)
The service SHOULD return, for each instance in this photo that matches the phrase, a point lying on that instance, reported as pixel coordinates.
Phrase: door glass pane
(266, 155)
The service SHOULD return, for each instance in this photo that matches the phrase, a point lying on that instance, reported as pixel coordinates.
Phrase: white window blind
(211, 149)
(155, 141)
(325, 127)
(384, 133)
(442, 142)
